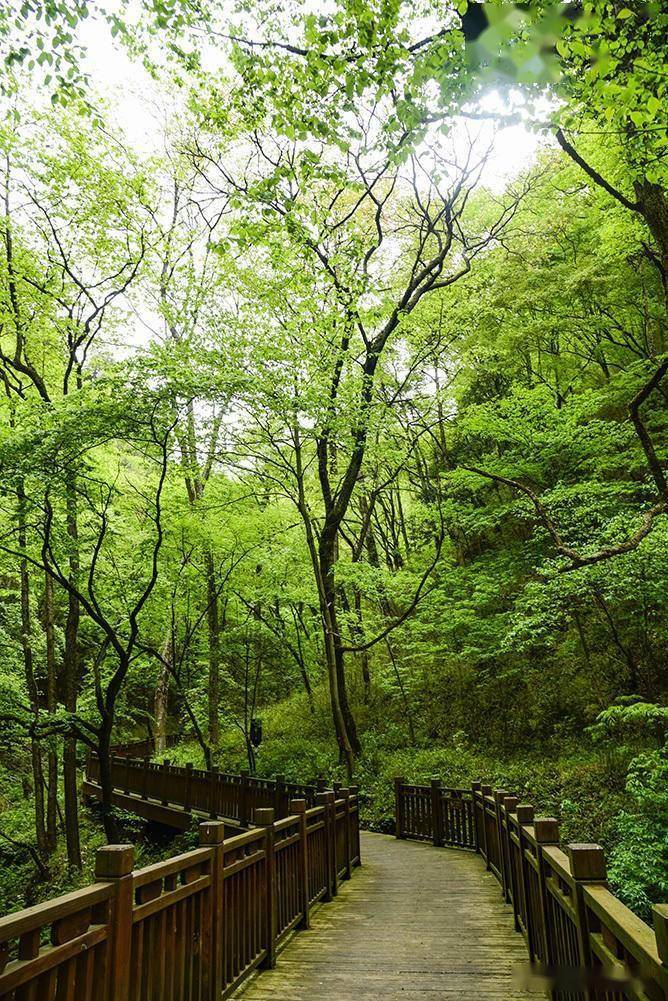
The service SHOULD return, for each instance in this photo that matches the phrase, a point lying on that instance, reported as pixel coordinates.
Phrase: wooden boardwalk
(416, 922)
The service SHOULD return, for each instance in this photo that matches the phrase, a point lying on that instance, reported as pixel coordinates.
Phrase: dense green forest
(314, 412)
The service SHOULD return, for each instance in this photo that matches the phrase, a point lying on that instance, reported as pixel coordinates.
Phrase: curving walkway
(416, 923)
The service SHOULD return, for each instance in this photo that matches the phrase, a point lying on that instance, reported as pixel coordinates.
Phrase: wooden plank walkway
(416, 922)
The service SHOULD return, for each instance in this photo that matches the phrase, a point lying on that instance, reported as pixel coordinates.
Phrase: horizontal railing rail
(193, 926)
(573, 925)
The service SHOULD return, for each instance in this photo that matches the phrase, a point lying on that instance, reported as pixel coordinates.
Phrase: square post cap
(211, 832)
(587, 861)
(546, 830)
(114, 861)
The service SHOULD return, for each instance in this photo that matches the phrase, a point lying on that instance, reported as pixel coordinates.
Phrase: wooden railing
(209, 793)
(188, 929)
(574, 927)
(435, 813)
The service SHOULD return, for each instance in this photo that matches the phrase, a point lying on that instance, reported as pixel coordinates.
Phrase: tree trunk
(364, 655)
(31, 685)
(71, 686)
(51, 683)
(161, 699)
(213, 623)
(653, 206)
(106, 785)
(349, 743)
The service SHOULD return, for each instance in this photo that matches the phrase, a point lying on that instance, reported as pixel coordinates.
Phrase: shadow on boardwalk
(415, 922)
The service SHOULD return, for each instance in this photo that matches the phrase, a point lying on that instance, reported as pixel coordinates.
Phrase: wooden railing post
(298, 806)
(128, 762)
(479, 835)
(546, 832)
(357, 851)
(187, 786)
(321, 784)
(265, 818)
(212, 835)
(321, 800)
(331, 809)
(437, 812)
(165, 781)
(279, 792)
(587, 864)
(398, 807)
(144, 779)
(660, 921)
(213, 792)
(344, 794)
(244, 809)
(113, 864)
(524, 817)
(499, 796)
(509, 806)
(485, 790)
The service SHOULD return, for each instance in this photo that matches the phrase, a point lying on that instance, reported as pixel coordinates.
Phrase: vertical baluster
(165, 781)
(499, 796)
(265, 818)
(510, 808)
(321, 800)
(298, 806)
(187, 786)
(437, 812)
(344, 794)
(279, 796)
(144, 779)
(213, 792)
(398, 808)
(479, 829)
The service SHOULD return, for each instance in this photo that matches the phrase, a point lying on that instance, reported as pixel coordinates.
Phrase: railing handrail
(560, 899)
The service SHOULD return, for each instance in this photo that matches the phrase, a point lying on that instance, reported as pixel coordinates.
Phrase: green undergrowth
(21, 884)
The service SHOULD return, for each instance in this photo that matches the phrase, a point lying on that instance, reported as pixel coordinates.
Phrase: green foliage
(300, 421)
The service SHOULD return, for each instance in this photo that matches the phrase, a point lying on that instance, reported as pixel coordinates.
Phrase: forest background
(320, 410)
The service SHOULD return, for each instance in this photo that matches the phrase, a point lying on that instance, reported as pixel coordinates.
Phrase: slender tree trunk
(106, 784)
(51, 698)
(33, 694)
(161, 699)
(71, 685)
(653, 206)
(213, 623)
(322, 560)
(302, 662)
(402, 689)
(352, 747)
(364, 655)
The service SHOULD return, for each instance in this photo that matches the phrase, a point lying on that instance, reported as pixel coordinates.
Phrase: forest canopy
(335, 372)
